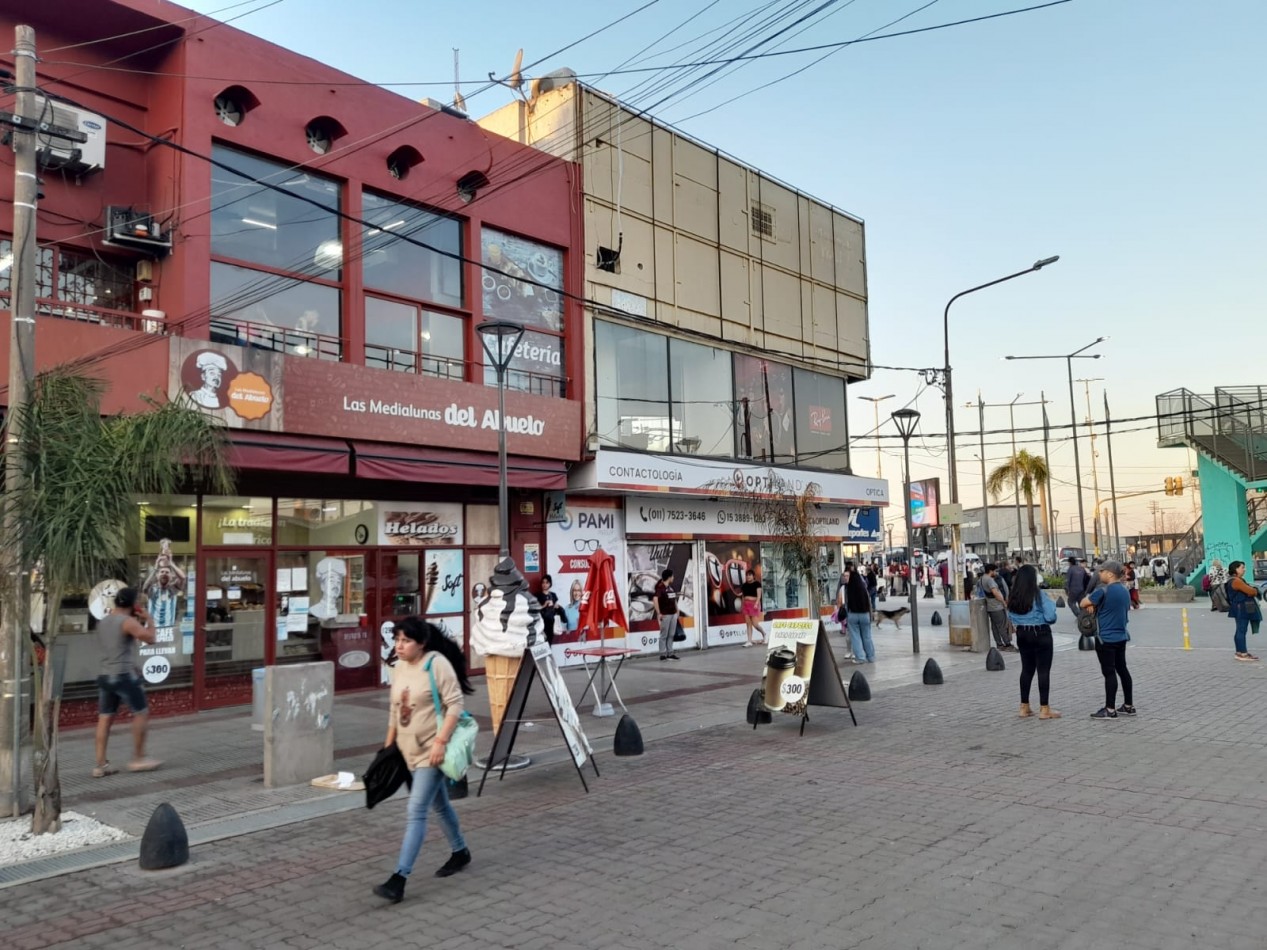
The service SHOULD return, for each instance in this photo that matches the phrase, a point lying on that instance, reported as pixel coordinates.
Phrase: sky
(1125, 136)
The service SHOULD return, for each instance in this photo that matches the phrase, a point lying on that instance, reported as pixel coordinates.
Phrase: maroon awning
(411, 463)
(288, 453)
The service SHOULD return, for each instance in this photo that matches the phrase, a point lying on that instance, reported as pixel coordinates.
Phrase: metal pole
(1108, 439)
(985, 498)
(21, 374)
(1050, 525)
(503, 491)
(1095, 471)
(1077, 462)
(910, 545)
(1016, 481)
(956, 537)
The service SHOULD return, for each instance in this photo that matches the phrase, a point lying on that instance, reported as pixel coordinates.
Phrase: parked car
(1260, 569)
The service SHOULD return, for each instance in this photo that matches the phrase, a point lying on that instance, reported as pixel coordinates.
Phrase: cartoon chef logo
(211, 381)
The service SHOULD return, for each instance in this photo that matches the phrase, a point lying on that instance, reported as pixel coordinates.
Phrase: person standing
(752, 612)
(873, 585)
(665, 604)
(1218, 586)
(1132, 585)
(1032, 613)
(1242, 600)
(858, 616)
(119, 636)
(995, 592)
(1112, 605)
(1076, 582)
(425, 656)
(943, 569)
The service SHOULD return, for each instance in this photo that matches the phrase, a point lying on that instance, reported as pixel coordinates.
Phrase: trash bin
(980, 620)
(257, 699)
(960, 624)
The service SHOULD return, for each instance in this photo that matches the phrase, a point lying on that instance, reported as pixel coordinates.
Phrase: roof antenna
(458, 102)
(514, 82)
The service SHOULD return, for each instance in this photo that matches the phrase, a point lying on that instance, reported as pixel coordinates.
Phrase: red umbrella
(600, 604)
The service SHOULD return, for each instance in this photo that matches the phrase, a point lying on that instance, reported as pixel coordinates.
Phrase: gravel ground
(78, 831)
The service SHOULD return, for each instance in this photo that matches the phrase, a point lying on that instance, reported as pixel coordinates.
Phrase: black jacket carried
(385, 775)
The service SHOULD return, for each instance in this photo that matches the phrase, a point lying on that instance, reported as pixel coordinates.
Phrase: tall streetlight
(930, 376)
(500, 338)
(875, 403)
(906, 420)
(1078, 354)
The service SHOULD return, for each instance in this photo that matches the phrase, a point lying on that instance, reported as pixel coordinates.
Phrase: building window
(401, 267)
(522, 282)
(701, 386)
(632, 387)
(277, 259)
(822, 433)
(764, 421)
(74, 285)
(408, 339)
(762, 220)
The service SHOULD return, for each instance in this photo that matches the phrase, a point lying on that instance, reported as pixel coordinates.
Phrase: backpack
(1205, 583)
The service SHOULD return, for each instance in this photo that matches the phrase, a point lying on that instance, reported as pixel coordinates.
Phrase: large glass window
(237, 521)
(701, 386)
(764, 421)
(632, 385)
(404, 268)
(324, 522)
(406, 338)
(68, 280)
(252, 308)
(822, 437)
(278, 229)
(522, 282)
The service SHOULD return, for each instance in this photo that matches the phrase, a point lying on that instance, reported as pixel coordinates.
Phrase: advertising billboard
(923, 500)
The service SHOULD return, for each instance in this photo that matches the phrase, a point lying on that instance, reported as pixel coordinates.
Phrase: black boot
(394, 888)
(457, 861)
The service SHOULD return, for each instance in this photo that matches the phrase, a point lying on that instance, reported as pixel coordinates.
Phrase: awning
(288, 453)
(410, 463)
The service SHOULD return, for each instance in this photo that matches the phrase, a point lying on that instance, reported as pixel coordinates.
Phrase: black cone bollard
(936, 621)
(628, 737)
(932, 673)
(1060, 602)
(165, 843)
(859, 688)
(758, 715)
(1086, 643)
(994, 660)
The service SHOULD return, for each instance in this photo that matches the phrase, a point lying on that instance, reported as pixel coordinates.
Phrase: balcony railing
(278, 339)
(84, 313)
(407, 361)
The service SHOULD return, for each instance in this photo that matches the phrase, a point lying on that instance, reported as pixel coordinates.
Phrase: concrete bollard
(859, 688)
(165, 843)
(932, 673)
(994, 660)
(628, 739)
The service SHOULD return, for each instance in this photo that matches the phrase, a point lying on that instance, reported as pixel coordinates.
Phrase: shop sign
(409, 524)
(863, 524)
(239, 387)
(615, 470)
(688, 518)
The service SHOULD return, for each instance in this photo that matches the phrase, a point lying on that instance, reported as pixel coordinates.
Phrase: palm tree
(1026, 474)
(83, 472)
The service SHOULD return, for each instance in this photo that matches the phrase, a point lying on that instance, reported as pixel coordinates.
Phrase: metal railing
(1257, 510)
(408, 361)
(1227, 427)
(260, 336)
(101, 316)
(1189, 551)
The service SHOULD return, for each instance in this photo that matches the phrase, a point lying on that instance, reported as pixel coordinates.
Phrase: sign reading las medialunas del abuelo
(264, 390)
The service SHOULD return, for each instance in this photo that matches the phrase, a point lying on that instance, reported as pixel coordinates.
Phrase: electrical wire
(150, 29)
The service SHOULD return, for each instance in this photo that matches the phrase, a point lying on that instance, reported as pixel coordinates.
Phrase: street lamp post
(1078, 354)
(948, 391)
(906, 420)
(500, 338)
(879, 458)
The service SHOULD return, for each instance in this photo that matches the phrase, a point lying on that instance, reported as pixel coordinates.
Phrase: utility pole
(985, 500)
(879, 457)
(1050, 528)
(1155, 507)
(13, 670)
(1108, 439)
(1095, 471)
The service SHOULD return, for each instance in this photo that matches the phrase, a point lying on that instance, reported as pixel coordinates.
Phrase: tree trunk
(48, 785)
(1033, 528)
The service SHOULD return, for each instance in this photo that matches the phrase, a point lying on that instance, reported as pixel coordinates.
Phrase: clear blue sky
(1127, 136)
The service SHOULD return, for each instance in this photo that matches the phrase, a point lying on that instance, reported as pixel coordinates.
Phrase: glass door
(237, 595)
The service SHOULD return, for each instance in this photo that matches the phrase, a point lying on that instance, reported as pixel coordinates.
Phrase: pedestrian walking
(120, 634)
(873, 585)
(1132, 585)
(752, 604)
(995, 591)
(1112, 606)
(857, 603)
(426, 660)
(1242, 600)
(665, 604)
(943, 570)
(1216, 583)
(1077, 580)
(1032, 613)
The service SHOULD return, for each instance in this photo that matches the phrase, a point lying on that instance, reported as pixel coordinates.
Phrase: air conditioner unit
(127, 227)
(60, 153)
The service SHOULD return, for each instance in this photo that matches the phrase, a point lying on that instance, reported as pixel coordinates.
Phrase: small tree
(1027, 473)
(788, 518)
(83, 472)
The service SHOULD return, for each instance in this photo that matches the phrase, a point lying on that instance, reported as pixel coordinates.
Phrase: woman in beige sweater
(413, 727)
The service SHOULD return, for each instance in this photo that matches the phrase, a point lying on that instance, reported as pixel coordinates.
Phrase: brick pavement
(941, 822)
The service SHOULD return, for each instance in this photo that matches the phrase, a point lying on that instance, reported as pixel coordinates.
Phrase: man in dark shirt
(665, 603)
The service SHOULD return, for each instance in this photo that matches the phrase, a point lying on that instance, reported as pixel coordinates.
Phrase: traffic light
(1170, 485)
(1178, 484)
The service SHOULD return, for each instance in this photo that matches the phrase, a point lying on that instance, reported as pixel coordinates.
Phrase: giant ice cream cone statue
(507, 621)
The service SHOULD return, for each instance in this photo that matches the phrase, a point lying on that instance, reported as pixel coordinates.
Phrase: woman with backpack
(1242, 600)
(1032, 613)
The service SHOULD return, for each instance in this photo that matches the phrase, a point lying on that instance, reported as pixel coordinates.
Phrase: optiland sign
(454, 415)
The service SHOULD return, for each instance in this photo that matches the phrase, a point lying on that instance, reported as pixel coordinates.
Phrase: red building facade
(308, 265)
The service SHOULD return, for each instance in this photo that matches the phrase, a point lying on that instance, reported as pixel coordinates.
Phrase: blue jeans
(860, 636)
(429, 791)
(1242, 628)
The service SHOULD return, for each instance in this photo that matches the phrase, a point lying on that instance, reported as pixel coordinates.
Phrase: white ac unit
(57, 152)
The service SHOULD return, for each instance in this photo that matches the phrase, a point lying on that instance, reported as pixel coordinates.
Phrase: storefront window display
(782, 579)
(764, 420)
(325, 522)
(234, 521)
(647, 561)
(822, 434)
(522, 282)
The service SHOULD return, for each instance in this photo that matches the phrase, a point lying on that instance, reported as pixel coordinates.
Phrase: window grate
(762, 221)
